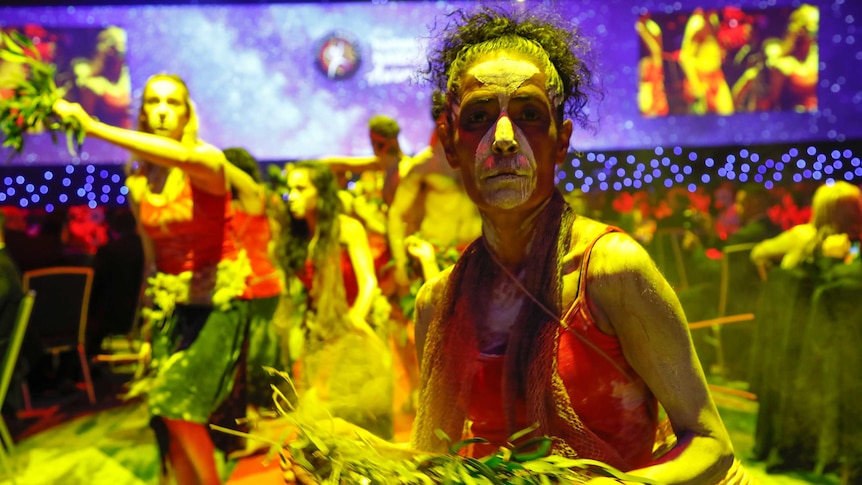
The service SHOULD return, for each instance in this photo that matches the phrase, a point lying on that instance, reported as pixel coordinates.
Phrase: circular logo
(338, 55)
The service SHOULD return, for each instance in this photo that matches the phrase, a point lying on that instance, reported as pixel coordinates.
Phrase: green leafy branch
(353, 456)
(526, 461)
(30, 107)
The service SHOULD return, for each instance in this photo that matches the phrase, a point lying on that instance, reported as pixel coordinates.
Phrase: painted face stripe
(505, 76)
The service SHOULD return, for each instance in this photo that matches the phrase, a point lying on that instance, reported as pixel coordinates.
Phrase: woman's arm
(405, 197)
(203, 163)
(789, 243)
(249, 192)
(354, 236)
(631, 299)
(352, 164)
(649, 30)
(425, 253)
(688, 52)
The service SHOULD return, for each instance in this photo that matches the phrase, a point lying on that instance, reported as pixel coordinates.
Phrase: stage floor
(111, 443)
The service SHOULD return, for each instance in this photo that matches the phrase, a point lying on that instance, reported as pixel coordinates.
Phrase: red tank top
(192, 232)
(605, 392)
(254, 235)
(351, 286)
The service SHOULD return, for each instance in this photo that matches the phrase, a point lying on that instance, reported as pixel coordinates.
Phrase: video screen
(729, 60)
(89, 66)
(290, 81)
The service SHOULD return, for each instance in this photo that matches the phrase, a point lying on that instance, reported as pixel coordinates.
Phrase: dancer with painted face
(179, 190)
(549, 318)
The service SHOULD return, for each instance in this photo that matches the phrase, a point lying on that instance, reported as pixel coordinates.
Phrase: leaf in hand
(31, 106)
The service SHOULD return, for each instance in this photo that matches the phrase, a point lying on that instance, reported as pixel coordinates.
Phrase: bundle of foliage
(331, 451)
(26, 105)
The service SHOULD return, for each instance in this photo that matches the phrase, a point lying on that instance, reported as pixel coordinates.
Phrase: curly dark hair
(541, 36)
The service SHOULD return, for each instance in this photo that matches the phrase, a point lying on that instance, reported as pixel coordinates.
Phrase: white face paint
(505, 179)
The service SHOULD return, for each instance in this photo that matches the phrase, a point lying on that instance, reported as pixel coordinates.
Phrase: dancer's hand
(73, 110)
(420, 249)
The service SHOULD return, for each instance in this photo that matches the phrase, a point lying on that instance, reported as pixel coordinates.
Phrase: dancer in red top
(588, 335)
(179, 190)
(265, 284)
(345, 364)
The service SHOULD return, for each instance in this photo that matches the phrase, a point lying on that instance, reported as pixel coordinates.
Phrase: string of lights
(656, 169)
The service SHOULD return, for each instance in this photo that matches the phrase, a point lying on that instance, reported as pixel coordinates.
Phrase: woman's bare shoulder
(350, 226)
(613, 252)
(432, 292)
(584, 232)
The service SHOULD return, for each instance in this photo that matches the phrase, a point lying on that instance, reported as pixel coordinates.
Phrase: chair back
(60, 315)
(666, 250)
(735, 265)
(15, 340)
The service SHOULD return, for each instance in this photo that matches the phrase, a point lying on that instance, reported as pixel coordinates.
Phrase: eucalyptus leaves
(318, 451)
(526, 461)
(27, 100)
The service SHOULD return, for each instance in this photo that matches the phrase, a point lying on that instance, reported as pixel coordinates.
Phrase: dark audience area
(104, 240)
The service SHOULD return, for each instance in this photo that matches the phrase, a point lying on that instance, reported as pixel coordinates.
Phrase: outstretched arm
(203, 163)
(648, 30)
(631, 299)
(351, 164)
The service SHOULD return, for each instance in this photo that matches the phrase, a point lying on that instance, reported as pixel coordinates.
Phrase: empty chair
(728, 343)
(59, 316)
(666, 250)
